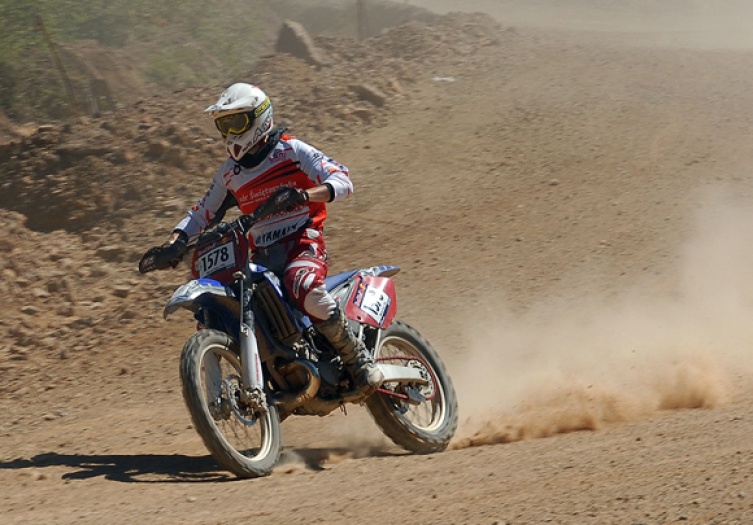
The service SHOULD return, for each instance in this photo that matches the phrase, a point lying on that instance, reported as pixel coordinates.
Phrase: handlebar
(243, 223)
(169, 255)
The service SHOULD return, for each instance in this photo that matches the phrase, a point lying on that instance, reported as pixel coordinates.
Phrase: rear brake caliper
(415, 397)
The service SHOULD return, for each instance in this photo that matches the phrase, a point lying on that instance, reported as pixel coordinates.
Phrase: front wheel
(422, 420)
(245, 441)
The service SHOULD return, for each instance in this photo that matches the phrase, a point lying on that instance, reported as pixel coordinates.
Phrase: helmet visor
(236, 124)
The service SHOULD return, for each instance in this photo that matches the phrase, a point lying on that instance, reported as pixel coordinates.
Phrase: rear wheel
(244, 440)
(419, 418)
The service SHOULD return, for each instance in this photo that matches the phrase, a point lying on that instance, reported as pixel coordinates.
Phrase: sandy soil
(572, 212)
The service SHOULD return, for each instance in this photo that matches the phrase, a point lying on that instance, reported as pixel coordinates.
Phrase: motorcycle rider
(262, 162)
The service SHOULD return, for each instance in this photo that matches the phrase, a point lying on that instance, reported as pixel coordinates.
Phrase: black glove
(166, 256)
(223, 228)
(246, 221)
(284, 199)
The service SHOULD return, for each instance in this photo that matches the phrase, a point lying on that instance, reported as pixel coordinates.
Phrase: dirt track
(572, 214)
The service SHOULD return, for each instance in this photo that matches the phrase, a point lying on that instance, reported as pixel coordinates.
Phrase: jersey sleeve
(322, 169)
(201, 215)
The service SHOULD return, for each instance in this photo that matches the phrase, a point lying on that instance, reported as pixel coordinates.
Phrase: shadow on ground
(138, 468)
(163, 468)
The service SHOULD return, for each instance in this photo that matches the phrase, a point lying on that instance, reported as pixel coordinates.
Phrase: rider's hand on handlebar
(166, 256)
(284, 199)
(290, 198)
(223, 227)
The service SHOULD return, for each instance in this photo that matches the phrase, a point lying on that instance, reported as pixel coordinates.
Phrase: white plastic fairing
(186, 295)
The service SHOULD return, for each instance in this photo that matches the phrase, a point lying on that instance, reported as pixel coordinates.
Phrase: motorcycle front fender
(201, 292)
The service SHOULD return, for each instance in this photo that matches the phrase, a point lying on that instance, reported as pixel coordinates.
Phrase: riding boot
(352, 351)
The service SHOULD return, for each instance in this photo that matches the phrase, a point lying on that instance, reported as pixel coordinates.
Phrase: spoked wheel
(421, 418)
(242, 438)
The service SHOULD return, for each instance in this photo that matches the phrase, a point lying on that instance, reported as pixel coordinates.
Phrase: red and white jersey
(292, 163)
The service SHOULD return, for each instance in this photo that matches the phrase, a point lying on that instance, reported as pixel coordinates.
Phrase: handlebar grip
(208, 237)
(246, 221)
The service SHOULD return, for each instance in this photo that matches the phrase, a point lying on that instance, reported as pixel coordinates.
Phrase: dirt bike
(256, 360)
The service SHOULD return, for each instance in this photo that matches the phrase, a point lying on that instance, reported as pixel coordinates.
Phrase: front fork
(253, 377)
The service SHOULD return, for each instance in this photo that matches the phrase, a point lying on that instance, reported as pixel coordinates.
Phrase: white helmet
(243, 114)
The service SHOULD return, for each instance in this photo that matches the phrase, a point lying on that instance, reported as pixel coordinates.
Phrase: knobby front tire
(246, 444)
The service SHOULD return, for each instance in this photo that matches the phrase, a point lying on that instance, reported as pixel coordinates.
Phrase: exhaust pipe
(292, 400)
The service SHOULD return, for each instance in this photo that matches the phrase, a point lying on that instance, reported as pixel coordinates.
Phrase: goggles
(236, 124)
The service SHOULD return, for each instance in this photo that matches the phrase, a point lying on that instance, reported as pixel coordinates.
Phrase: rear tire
(210, 371)
(403, 422)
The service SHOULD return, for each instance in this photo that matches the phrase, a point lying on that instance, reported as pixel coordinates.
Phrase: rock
(77, 150)
(45, 128)
(396, 86)
(66, 310)
(40, 293)
(121, 291)
(157, 148)
(371, 93)
(128, 315)
(111, 253)
(122, 155)
(295, 40)
(364, 114)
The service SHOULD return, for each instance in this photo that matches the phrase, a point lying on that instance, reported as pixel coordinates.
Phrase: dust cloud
(698, 24)
(293, 461)
(595, 362)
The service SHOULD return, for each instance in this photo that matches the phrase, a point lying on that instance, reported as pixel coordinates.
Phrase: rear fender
(337, 281)
(372, 301)
(351, 289)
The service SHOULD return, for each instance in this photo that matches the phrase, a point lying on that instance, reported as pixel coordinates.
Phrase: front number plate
(219, 258)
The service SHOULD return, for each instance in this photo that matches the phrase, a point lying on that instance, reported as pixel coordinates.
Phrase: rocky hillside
(81, 201)
(60, 59)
